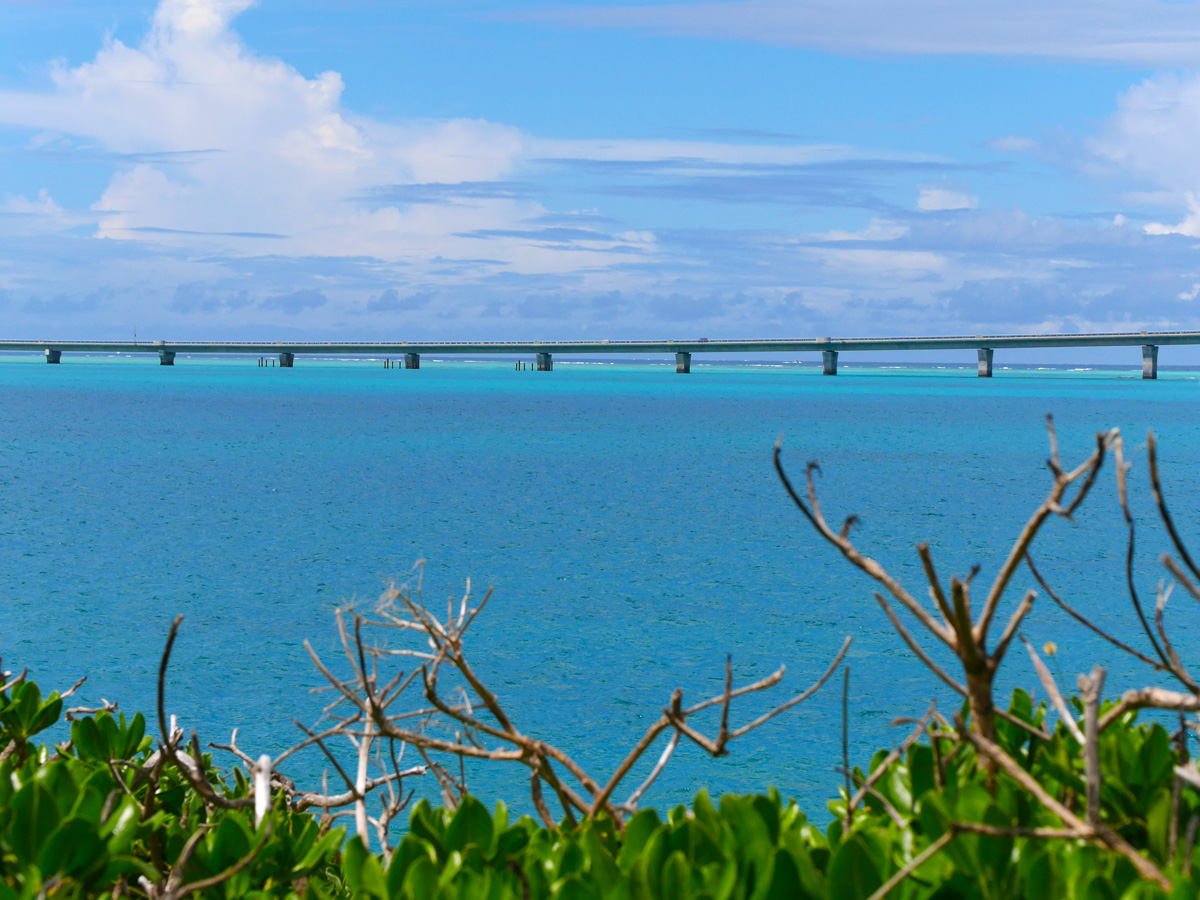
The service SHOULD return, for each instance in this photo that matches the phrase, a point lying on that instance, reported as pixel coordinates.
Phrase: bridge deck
(959, 342)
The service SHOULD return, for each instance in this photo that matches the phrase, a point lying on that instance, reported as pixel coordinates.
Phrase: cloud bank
(244, 200)
(1146, 33)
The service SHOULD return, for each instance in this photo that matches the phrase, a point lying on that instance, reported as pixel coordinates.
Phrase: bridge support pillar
(287, 360)
(166, 357)
(412, 360)
(544, 362)
(683, 363)
(53, 356)
(985, 362)
(1150, 361)
(829, 362)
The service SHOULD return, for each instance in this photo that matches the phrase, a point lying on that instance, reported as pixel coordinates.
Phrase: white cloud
(277, 207)
(933, 199)
(1154, 135)
(876, 230)
(1142, 32)
(235, 153)
(20, 215)
(694, 156)
(1013, 144)
(259, 149)
(1189, 226)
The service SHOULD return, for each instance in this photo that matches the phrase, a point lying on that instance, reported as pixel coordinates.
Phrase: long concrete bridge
(544, 351)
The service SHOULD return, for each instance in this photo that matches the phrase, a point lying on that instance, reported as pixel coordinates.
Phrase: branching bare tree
(966, 638)
(467, 721)
(264, 773)
(953, 623)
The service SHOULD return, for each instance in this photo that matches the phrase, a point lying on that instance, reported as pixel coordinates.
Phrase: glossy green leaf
(471, 826)
(852, 872)
(34, 817)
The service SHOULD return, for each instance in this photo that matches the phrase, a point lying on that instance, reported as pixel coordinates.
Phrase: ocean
(628, 519)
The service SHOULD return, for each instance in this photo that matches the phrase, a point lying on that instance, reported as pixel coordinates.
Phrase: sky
(554, 169)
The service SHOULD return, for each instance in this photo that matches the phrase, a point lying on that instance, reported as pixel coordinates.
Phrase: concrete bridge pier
(1150, 361)
(166, 357)
(287, 360)
(545, 363)
(985, 362)
(412, 360)
(829, 362)
(53, 356)
(683, 363)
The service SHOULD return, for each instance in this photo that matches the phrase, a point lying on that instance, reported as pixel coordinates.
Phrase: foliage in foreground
(101, 815)
(994, 804)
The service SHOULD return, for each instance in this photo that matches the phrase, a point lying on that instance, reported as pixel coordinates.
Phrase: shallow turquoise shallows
(629, 519)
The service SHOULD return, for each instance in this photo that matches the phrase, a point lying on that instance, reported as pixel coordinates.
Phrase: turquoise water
(628, 518)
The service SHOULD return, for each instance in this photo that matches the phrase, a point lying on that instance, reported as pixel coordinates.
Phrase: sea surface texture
(628, 518)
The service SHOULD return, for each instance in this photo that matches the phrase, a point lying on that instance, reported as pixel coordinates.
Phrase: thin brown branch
(1092, 688)
(851, 553)
(162, 679)
(1160, 501)
(630, 805)
(935, 584)
(723, 733)
(1049, 506)
(799, 698)
(631, 758)
(879, 771)
(1044, 833)
(917, 861)
(1087, 623)
(1131, 586)
(761, 685)
(73, 688)
(206, 883)
(865, 789)
(968, 649)
(1103, 835)
(1056, 698)
(1010, 630)
(1177, 667)
(1150, 698)
(12, 684)
(916, 648)
(539, 802)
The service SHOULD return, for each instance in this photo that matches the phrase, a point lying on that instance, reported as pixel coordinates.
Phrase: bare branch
(848, 550)
(162, 679)
(1050, 505)
(1101, 834)
(916, 648)
(630, 805)
(1150, 698)
(799, 698)
(1122, 495)
(1092, 689)
(935, 584)
(917, 861)
(1011, 629)
(205, 883)
(1082, 620)
(882, 768)
(1156, 488)
(1056, 698)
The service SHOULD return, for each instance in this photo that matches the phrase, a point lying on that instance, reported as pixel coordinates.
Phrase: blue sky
(740, 168)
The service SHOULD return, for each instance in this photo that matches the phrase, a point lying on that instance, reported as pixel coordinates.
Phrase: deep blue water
(628, 518)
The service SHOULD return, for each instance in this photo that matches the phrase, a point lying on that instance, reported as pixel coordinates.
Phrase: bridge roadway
(544, 351)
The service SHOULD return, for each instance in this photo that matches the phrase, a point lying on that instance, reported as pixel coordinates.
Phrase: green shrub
(104, 815)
